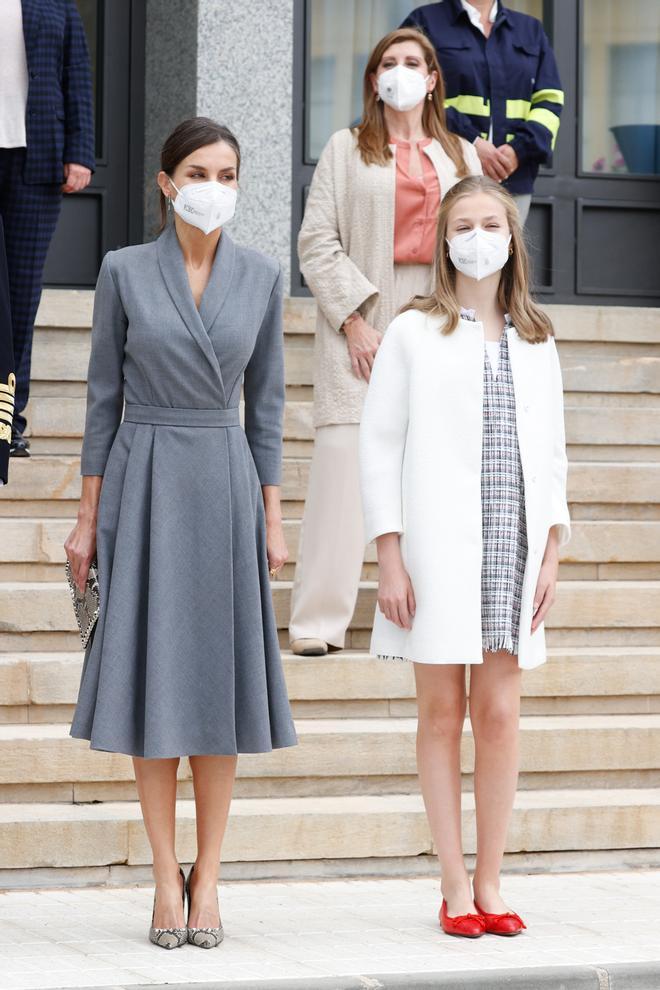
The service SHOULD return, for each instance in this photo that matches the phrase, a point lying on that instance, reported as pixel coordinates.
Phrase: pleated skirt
(185, 658)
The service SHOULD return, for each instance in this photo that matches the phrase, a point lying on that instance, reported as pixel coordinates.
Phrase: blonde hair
(372, 136)
(513, 293)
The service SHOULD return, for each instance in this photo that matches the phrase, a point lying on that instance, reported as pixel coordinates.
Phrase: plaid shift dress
(503, 507)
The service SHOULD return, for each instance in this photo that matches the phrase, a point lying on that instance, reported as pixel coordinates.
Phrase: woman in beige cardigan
(366, 247)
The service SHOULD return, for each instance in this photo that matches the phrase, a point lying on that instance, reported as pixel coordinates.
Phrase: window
(621, 87)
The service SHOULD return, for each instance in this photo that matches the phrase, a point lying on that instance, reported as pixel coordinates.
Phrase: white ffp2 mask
(479, 253)
(402, 88)
(206, 205)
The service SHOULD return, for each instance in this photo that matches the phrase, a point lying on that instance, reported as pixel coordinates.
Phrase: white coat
(420, 474)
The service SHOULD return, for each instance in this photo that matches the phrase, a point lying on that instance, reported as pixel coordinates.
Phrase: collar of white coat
(475, 17)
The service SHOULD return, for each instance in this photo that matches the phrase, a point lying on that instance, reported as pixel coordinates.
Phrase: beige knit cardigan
(346, 251)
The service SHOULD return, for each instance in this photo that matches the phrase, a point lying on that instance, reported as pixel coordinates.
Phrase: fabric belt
(179, 416)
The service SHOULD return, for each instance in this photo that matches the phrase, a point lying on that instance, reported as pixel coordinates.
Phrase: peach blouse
(417, 201)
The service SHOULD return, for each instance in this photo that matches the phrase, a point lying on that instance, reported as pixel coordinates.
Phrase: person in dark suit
(7, 377)
(46, 149)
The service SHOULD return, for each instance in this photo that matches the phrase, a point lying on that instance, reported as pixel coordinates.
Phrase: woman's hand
(80, 547)
(80, 544)
(509, 157)
(546, 585)
(276, 547)
(396, 598)
(278, 552)
(493, 163)
(363, 341)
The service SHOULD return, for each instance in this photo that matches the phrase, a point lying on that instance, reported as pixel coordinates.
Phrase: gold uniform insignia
(7, 392)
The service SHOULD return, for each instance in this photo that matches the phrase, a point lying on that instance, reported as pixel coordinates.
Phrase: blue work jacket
(509, 79)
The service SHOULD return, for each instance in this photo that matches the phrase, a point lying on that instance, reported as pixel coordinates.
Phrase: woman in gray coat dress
(182, 507)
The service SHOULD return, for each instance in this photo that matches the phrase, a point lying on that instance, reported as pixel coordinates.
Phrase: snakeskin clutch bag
(85, 605)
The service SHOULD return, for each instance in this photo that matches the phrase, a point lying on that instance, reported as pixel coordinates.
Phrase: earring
(510, 250)
(429, 96)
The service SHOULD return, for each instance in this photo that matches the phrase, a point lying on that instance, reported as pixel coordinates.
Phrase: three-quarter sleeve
(263, 391)
(105, 377)
(559, 515)
(383, 431)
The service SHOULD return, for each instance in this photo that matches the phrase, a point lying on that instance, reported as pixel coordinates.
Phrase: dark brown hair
(372, 137)
(188, 136)
(513, 294)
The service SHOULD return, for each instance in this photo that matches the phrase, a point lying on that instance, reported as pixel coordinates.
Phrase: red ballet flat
(509, 923)
(464, 925)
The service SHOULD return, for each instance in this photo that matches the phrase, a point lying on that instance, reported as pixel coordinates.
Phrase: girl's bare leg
(495, 716)
(441, 703)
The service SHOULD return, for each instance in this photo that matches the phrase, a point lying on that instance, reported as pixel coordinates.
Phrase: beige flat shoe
(309, 647)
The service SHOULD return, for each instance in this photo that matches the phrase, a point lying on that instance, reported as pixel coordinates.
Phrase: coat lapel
(172, 267)
(32, 11)
(216, 291)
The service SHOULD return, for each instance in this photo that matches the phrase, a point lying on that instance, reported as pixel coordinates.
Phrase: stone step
(40, 540)
(33, 606)
(62, 356)
(64, 416)
(43, 679)
(352, 748)
(72, 308)
(53, 478)
(313, 828)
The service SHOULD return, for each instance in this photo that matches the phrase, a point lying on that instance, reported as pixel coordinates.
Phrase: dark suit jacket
(7, 381)
(60, 120)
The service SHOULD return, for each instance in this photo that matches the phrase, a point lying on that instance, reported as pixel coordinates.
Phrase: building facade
(284, 74)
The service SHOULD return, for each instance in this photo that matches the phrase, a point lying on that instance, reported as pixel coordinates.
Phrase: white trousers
(523, 202)
(331, 548)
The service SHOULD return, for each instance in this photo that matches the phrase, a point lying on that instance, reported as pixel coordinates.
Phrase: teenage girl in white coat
(463, 475)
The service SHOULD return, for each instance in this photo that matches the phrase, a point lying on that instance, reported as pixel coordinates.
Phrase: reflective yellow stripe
(550, 95)
(484, 135)
(547, 119)
(517, 108)
(510, 137)
(469, 104)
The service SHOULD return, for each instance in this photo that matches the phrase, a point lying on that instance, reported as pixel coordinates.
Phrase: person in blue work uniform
(503, 88)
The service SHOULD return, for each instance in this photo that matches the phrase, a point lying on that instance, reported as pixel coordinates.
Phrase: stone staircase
(346, 799)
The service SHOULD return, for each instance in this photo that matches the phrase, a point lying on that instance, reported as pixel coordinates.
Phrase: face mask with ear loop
(402, 88)
(478, 253)
(205, 205)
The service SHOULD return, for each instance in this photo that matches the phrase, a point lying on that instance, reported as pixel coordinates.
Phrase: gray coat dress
(184, 658)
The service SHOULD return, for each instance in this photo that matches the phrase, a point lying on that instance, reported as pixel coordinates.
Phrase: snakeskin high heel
(204, 938)
(169, 938)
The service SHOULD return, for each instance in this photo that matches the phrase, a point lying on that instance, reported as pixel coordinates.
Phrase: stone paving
(97, 937)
